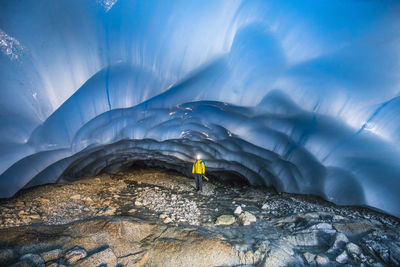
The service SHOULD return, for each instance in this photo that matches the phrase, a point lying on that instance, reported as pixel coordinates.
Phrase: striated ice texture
(299, 95)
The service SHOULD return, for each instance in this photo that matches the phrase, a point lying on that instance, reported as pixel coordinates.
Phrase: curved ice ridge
(282, 95)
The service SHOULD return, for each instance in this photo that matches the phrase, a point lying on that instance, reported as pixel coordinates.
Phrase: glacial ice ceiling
(303, 97)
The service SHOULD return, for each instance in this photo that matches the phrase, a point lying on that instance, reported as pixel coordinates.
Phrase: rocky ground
(155, 218)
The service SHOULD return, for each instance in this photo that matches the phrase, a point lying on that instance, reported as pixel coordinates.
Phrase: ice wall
(301, 96)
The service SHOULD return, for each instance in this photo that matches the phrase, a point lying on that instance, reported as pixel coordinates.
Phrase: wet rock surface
(155, 218)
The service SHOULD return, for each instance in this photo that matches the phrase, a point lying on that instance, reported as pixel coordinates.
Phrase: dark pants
(199, 181)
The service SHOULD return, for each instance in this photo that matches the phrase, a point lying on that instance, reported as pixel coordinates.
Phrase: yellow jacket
(199, 167)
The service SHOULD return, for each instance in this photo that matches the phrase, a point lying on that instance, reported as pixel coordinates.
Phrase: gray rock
(51, 255)
(353, 249)
(33, 258)
(353, 229)
(283, 256)
(75, 254)
(340, 241)
(106, 256)
(322, 227)
(246, 218)
(238, 211)
(343, 257)
(225, 220)
(355, 252)
(322, 260)
(309, 257)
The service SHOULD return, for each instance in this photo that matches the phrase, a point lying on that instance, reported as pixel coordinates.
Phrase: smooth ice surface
(301, 96)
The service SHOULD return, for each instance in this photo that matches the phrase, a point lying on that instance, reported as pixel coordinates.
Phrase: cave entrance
(223, 176)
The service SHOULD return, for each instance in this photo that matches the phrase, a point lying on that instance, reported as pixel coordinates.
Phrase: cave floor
(155, 218)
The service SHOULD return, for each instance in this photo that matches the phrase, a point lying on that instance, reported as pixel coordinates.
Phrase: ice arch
(301, 97)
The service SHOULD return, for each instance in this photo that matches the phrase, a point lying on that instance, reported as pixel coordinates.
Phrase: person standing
(198, 170)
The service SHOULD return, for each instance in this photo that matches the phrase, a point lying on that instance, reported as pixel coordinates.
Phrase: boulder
(309, 239)
(51, 255)
(355, 252)
(225, 220)
(321, 260)
(246, 218)
(280, 257)
(353, 249)
(34, 259)
(354, 229)
(342, 258)
(309, 257)
(183, 248)
(75, 254)
(104, 257)
(340, 241)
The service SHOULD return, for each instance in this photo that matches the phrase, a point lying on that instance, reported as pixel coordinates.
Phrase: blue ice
(302, 97)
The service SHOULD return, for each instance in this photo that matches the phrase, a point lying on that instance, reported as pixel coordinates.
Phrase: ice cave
(300, 97)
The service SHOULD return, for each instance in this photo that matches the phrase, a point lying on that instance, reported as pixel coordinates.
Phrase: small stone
(139, 182)
(163, 216)
(167, 220)
(322, 259)
(265, 206)
(75, 254)
(309, 257)
(107, 202)
(109, 211)
(76, 197)
(243, 205)
(33, 258)
(343, 257)
(51, 255)
(238, 211)
(338, 218)
(246, 218)
(225, 220)
(138, 203)
(34, 216)
(88, 199)
(132, 211)
(43, 200)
